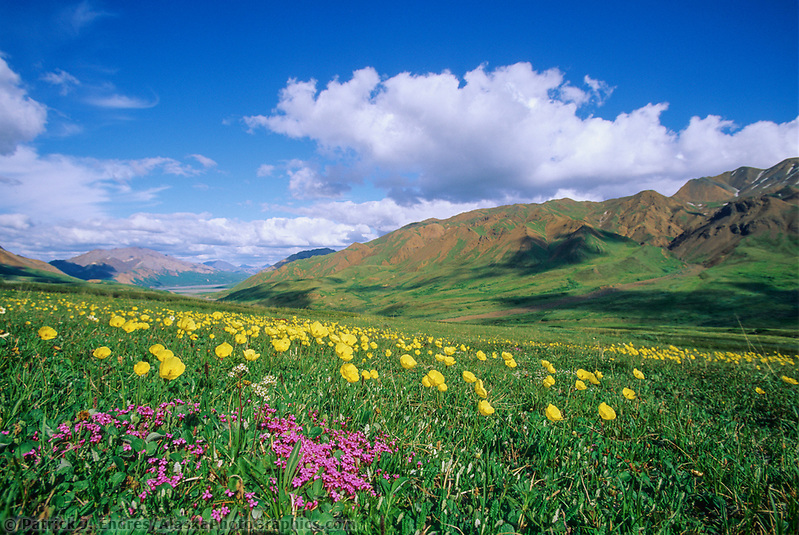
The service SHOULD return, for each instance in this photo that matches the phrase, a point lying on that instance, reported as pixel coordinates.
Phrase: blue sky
(252, 130)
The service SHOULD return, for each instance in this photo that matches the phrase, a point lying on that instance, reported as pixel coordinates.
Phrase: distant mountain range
(517, 258)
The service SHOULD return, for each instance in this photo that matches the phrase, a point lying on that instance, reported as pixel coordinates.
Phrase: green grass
(698, 450)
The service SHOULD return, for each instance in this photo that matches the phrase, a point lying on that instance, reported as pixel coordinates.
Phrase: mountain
(300, 256)
(522, 259)
(15, 267)
(143, 267)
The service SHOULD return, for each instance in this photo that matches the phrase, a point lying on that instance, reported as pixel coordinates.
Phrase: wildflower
(628, 393)
(251, 355)
(240, 338)
(553, 413)
(550, 368)
(164, 354)
(141, 368)
(481, 355)
(281, 344)
(579, 385)
(485, 408)
(344, 351)
(407, 361)
(549, 381)
(374, 374)
(101, 352)
(318, 330)
(349, 372)
(510, 363)
(789, 380)
(223, 350)
(436, 377)
(469, 377)
(426, 381)
(598, 374)
(442, 387)
(171, 368)
(637, 373)
(155, 349)
(47, 333)
(506, 356)
(479, 389)
(238, 371)
(117, 321)
(606, 411)
(760, 390)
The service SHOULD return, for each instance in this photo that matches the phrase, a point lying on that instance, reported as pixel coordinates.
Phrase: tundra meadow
(136, 415)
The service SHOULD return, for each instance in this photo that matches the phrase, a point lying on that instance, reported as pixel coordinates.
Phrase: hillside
(19, 268)
(530, 262)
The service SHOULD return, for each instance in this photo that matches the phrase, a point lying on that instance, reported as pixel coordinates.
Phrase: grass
(88, 441)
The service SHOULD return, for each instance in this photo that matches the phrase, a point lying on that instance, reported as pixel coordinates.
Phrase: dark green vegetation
(698, 450)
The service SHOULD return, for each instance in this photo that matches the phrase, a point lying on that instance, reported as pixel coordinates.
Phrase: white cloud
(204, 160)
(264, 170)
(62, 79)
(121, 102)
(77, 17)
(512, 132)
(21, 118)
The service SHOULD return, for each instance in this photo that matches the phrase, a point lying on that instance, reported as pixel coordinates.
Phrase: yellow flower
(789, 380)
(485, 408)
(469, 377)
(240, 338)
(449, 350)
(551, 369)
(407, 361)
(164, 354)
(47, 333)
(426, 381)
(629, 393)
(436, 377)
(598, 374)
(553, 413)
(442, 387)
(388, 352)
(506, 356)
(606, 411)
(187, 324)
(760, 390)
(281, 345)
(449, 361)
(171, 368)
(510, 363)
(318, 330)
(579, 385)
(349, 372)
(637, 373)
(344, 351)
(251, 355)
(141, 368)
(101, 352)
(223, 350)
(374, 374)
(546, 363)
(117, 321)
(549, 381)
(156, 348)
(479, 389)
(366, 375)
(481, 355)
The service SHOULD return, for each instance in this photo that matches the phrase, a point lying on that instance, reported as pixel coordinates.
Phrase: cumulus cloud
(21, 118)
(264, 170)
(187, 235)
(53, 187)
(511, 132)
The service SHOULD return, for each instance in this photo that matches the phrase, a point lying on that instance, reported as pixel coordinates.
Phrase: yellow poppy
(240, 338)
(156, 348)
(551, 369)
(164, 354)
(469, 377)
(407, 361)
(171, 368)
(442, 387)
(549, 381)
(760, 390)
(510, 363)
(344, 351)
(318, 330)
(47, 333)
(637, 373)
(117, 321)
(553, 413)
(481, 355)
(506, 356)
(789, 380)
(141, 368)
(628, 393)
(426, 381)
(374, 374)
(479, 389)
(579, 385)
(349, 372)
(436, 377)
(101, 352)
(606, 411)
(485, 408)
(251, 355)
(223, 350)
(281, 344)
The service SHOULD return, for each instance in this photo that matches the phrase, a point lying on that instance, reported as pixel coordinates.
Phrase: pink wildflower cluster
(336, 456)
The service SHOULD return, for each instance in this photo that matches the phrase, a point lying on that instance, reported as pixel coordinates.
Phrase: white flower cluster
(262, 389)
(238, 371)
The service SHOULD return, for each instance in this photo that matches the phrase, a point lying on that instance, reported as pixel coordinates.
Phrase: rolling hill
(542, 262)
